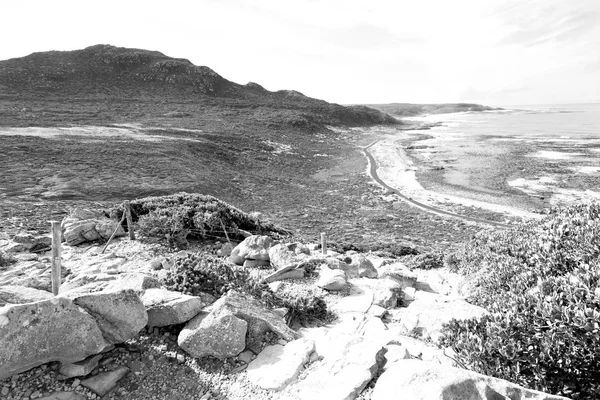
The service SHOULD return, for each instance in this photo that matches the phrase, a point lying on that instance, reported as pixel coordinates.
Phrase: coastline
(405, 173)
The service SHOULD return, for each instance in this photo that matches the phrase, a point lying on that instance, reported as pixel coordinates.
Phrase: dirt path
(424, 207)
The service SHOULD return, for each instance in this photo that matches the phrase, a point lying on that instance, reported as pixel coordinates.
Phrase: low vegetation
(179, 216)
(200, 273)
(541, 284)
(6, 259)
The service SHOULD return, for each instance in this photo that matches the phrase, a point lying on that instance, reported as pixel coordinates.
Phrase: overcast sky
(496, 52)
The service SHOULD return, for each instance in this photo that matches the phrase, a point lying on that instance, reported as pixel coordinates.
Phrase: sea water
(549, 152)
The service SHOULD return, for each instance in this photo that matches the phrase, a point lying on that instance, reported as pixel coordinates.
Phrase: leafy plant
(424, 261)
(541, 284)
(6, 259)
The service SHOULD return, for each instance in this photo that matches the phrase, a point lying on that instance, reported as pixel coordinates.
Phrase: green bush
(540, 282)
(424, 261)
(6, 259)
(177, 216)
(198, 273)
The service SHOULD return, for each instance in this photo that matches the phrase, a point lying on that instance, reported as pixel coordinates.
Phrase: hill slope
(104, 72)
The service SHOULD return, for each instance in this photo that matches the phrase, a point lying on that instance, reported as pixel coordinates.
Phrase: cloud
(538, 22)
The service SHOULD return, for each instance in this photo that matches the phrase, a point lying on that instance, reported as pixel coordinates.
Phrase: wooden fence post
(323, 243)
(129, 220)
(56, 261)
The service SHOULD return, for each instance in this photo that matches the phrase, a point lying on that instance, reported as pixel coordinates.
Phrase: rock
(246, 356)
(77, 229)
(121, 315)
(157, 264)
(429, 312)
(225, 250)
(359, 300)
(89, 283)
(278, 365)
(63, 396)
(377, 311)
(254, 313)
(351, 270)
(216, 335)
(285, 273)
(344, 377)
(254, 247)
(252, 263)
(33, 334)
(104, 382)
(284, 255)
(21, 295)
(396, 352)
(400, 273)
(31, 242)
(166, 307)
(409, 294)
(81, 368)
(363, 266)
(332, 279)
(420, 380)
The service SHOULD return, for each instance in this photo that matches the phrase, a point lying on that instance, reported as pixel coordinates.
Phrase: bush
(6, 259)
(424, 261)
(178, 216)
(540, 282)
(196, 273)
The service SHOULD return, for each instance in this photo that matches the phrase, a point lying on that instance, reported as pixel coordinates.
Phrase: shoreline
(401, 171)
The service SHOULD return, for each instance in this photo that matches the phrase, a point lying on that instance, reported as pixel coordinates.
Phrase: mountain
(105, 72)
(411, 110)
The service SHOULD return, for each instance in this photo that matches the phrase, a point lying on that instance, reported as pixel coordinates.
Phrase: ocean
(527, 156)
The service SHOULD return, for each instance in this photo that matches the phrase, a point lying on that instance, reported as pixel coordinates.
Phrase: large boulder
(421, 380)
(120, 315)
(83, 225)
(252, 248)
(364, 266)
(285, 255)
(215, 335)
(20, 295)
(400, 273)
(167, 307)
(332, 279)
(50, 330)
(278, 365)
(29, 242)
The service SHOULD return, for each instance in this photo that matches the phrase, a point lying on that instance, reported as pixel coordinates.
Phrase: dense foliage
(200, 273)
(6, 259)
(177, 216)
(424, 261)
(540, 282)
(386, 248)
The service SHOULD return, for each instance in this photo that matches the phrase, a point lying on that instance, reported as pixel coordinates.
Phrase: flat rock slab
(121, 315)
(33, 334)
(104, 382)
(167, 307)
(420, 380)
(359, 300)
(81, 368)
(343, 378)
(278, 365)
(21, 295)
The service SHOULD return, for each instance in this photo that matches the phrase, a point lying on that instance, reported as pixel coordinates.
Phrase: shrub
(6, 259)
(540, 282)
(196, 273)
(424, 261)
(180, 215)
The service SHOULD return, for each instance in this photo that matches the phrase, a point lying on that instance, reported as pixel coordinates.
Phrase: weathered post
(323, 243)
(129, 220)
(56, 262)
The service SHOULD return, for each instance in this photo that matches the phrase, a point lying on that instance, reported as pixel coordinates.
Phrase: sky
(496, 52)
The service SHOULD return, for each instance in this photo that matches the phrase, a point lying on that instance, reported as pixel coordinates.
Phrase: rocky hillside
(109, 72)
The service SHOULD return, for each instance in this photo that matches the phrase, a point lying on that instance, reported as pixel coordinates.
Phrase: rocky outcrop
(26, 242)
(332, 279)
(364, 266)
(287, 255)
(51, 330)
(400, 273)
(255, 248)
(166, 307)
(104, 382)
(420, 380)
(278, 365)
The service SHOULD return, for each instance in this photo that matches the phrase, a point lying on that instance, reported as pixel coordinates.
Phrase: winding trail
(424, 207)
